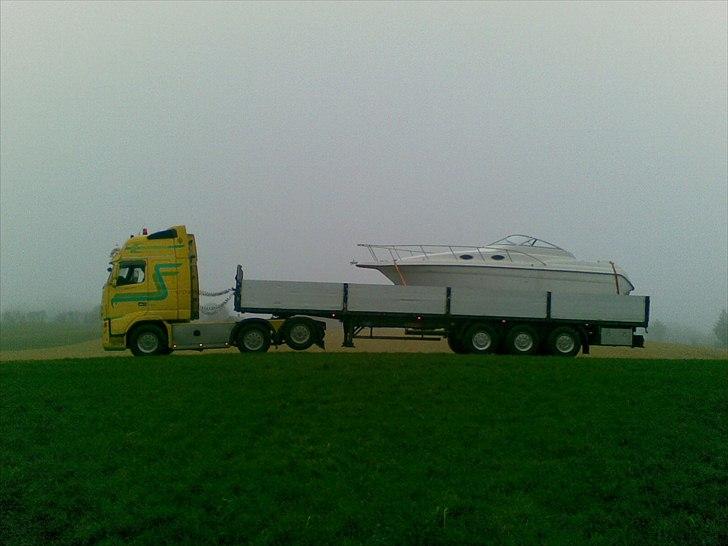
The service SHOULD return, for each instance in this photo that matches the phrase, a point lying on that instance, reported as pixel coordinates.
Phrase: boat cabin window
(497, 257)
(466, 257)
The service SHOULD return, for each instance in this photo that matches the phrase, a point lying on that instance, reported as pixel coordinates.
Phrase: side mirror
(108, 269)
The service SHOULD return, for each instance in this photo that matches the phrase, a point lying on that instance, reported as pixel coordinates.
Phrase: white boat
(516, 263)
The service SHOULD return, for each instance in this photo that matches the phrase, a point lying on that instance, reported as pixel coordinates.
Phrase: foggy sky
(282, 134)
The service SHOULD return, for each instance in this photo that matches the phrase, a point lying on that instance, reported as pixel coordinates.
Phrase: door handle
(142, 304)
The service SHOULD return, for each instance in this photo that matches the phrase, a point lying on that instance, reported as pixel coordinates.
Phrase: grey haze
(283, 134)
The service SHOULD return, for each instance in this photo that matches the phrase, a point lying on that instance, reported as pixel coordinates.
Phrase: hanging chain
(213, 308)
(220, 293)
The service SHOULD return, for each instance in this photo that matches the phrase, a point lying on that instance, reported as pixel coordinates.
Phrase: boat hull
(505, 278)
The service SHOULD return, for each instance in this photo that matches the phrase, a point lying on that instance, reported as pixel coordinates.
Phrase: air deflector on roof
(166, 234)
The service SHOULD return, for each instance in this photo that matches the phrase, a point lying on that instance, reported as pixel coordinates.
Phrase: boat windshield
(524, 240)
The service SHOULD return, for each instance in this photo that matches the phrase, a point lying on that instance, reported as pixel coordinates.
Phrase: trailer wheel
(522, 340)
(481, 339)
(299, 333)
(148, 340)
(253, 338)
(456, 344)
(563, 341)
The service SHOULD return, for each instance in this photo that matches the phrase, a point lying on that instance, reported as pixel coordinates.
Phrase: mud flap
(321, 332)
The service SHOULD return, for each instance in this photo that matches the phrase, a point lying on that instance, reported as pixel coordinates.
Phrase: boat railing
(397, 253)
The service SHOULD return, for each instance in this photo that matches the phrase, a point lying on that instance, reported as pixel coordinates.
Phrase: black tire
(299, 333)
(481, 339)
(253, 338)
(148, 340)
(563, 341)
(456, 345)
(522, 340)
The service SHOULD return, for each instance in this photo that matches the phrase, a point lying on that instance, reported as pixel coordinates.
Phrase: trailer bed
(341, 299)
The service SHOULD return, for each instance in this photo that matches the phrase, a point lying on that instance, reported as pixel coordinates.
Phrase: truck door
(165, 287)
(129, 289)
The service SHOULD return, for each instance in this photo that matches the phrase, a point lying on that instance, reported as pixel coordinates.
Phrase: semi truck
(151, 306)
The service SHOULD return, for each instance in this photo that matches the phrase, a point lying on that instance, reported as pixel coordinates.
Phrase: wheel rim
(253, 340)
(481, 341)
(523, 342)
(148, 343)
(565, 343)
(299, 334)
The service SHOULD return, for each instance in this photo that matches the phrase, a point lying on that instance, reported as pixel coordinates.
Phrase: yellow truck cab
(152, 284)
(151, 303)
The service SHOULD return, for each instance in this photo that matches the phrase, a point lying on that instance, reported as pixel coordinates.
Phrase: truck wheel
(299, 333)
(522, 340)
(253, 338)
(481, 339)
(456, 345)
(148, 340)
(563, 341)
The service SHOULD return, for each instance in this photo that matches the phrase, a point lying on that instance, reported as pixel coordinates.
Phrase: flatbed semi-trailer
(151, 303)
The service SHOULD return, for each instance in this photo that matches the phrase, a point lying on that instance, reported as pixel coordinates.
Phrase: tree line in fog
(75, 317)
(688, 335)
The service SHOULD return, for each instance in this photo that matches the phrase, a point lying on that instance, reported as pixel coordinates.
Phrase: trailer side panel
(291, 295)
(489, 303)
(599, 308)
(377, 298)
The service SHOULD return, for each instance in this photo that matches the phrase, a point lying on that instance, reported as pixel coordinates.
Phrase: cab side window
(130, 273)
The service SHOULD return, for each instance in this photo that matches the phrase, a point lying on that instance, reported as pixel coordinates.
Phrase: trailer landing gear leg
(348, 334)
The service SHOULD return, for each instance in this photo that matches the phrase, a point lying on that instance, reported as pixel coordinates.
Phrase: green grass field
(300, 448)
